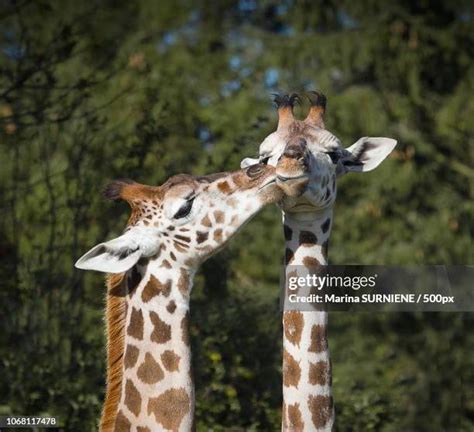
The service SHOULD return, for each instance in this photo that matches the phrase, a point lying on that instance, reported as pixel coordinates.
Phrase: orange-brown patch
(206, 221)
(166, 264)
(224, 187)
(185, 329)
(131, 356)
(133, 400)
(319, 341)
(135, 327)
(170, 408)
(150, 371)
(170, 360)
(218, 235)
(294, 419)
(143, 429)
(219, 216)
(235, 220)
(180, 247)
(293, 323)
(161, 331)
(311, 263)
(232, 202)
(321, 409)
(291, 370)
(183, 283)
(122, 424)
(154, 287)
(182, 238)
(171, 306)
(318, 373)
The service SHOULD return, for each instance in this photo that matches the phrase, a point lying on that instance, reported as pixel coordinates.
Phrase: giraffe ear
(114, 256)
(366, 154)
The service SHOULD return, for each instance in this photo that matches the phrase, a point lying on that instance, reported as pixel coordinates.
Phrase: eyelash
(334, 156)
(185, 209)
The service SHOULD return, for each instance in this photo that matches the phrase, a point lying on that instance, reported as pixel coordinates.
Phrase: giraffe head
(186, 219)
(309, 158)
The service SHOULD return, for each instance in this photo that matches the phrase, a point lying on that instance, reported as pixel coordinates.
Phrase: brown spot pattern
(324, 249)
(180, 247)
(311, 262)
(318, 373)
(166, 264)
(183, 238)
(307, 238)
(170, 408)
(154, 287)
(206, 221)
(170, 360)
(150, 371)
(201, 236)
(291, 370)
(219, 215)
(321, 409)
(293, 326)
(133, 400)
(224, 187)
(325, 226)
(133, 280)
(122, 424)
(131, 356)
(319, 341)
(183, 283)
(218, 235)
(294, 419)
(135, 327)
(143, 429)
(171, 306)
(185, 329)
(161, 332)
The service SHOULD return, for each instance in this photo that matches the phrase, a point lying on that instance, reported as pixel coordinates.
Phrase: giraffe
(172, 229)
(308, 159)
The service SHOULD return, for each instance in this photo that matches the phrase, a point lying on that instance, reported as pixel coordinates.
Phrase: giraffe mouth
(272, 181)
(285, 178)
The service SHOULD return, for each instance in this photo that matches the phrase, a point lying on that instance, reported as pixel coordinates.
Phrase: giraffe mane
(115, 323)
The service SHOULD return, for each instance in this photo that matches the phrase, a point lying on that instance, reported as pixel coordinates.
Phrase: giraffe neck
(307, 386)
(156, 385)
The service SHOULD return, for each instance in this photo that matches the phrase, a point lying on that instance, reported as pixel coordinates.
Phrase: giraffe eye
(185, 209)
(334, 156)
(264, 160)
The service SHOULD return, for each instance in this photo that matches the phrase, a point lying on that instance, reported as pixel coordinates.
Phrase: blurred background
(96, 90)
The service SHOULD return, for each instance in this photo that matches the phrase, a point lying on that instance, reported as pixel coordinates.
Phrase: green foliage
(91, 91)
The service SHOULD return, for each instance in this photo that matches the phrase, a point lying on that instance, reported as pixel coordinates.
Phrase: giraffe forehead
(317, 139)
